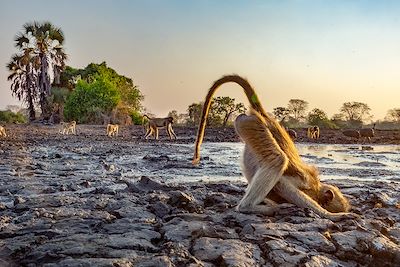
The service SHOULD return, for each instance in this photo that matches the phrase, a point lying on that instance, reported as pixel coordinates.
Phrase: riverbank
(91, 200)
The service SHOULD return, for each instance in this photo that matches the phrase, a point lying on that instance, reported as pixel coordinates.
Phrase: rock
(231, 252)
(147, 184)
(282, 253)
(159, 261)
(353, 245)
(160, 209)
(322, 260)
(184, 201)
(385, 251)
(313, 241)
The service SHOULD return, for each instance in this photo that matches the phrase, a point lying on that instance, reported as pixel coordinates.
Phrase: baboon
(367, 133)
(112, 129)
(313, 132)
(292, 133)
(154, 123)
(272, 164)
(68, 127)
(3, 131)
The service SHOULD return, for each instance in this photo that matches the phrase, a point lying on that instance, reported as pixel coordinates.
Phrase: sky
(323, 52)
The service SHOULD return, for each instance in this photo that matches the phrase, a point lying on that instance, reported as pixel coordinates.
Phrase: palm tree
(23, 79)
(46, 42)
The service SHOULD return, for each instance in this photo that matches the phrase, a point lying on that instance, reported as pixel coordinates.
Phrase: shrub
(8, 116)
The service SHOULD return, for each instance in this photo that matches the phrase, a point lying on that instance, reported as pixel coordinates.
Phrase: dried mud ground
(65, 201)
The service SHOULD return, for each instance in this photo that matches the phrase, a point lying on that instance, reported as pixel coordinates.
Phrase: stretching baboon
(313, 132)
(68, 127)
(112, 129)
(3, 131)
(272, 164)
(151, 127)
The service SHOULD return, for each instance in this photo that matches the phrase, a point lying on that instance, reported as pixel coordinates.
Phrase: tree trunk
(44, 87)
(29, 94)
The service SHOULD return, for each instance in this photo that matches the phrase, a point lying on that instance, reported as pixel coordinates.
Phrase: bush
(11, 117)
(89, 100)
(137, 118)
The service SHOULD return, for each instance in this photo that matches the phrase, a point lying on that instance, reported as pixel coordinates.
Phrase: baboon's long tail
(251, 96)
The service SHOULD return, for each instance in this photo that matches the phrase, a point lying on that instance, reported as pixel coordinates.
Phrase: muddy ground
(79, 201)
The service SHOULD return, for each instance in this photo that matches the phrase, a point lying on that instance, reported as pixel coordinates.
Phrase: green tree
(318, 117)
(89, 100)
(57, 100)
(174, 115)
(225, 107)
(8, 116)
(194, 113)
(355, 112)
(281, 113)
(394, 115)
(130, 95)
(24, 79)
(46, 44)
(297, 108)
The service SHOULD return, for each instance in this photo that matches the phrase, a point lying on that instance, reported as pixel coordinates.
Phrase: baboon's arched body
(272, 165)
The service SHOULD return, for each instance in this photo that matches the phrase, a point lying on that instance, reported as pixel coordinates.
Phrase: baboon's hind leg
(271, 159)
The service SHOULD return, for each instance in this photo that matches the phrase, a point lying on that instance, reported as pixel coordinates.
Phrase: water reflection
(221, 161)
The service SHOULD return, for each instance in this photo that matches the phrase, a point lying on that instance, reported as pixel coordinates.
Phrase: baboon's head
(171, 120)
(331, 199)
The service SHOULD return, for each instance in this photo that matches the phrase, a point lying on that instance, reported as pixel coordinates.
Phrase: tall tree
(226, 106)
(46, 44)
(394, 114)
(194, 113)
(355, 111)
(23, 79)
(281, 113)
(297, 108)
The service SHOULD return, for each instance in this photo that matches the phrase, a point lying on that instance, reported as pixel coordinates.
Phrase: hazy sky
(324, 52)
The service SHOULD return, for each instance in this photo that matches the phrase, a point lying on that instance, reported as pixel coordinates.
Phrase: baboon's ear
(328, 195)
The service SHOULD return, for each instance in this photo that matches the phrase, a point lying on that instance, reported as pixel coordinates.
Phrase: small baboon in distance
(112, 129)
(313, 132)
(68, 127)
(3, 131)
(272, 164)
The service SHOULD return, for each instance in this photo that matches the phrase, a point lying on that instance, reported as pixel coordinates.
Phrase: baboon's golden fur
(68, 127)
(112, 129)
(313, 132)
(272, 164)
(3, 131)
